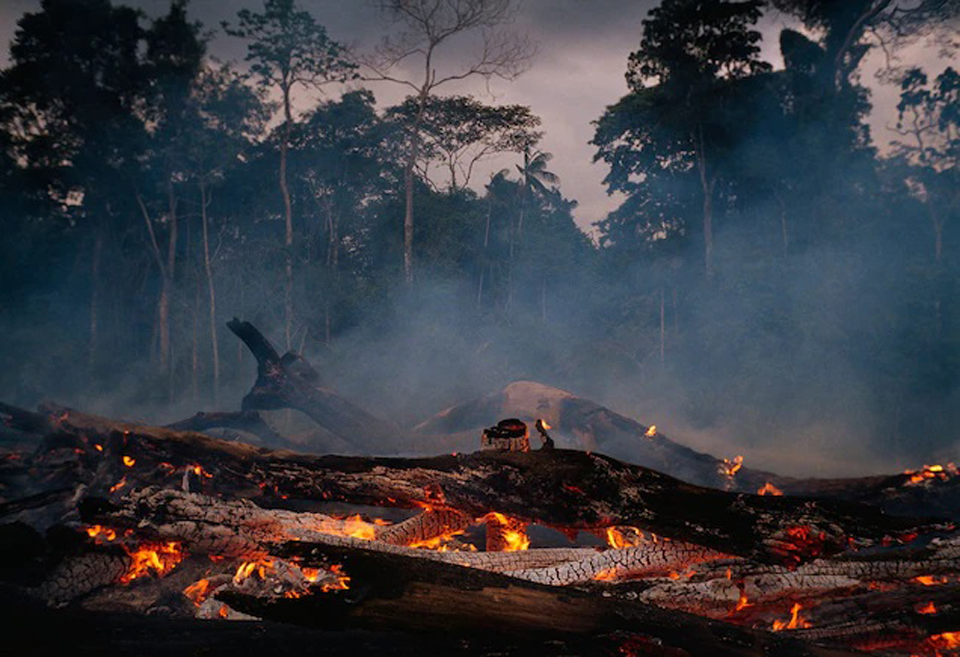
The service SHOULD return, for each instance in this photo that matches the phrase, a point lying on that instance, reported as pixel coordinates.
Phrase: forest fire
(730, 467)
(652, 431)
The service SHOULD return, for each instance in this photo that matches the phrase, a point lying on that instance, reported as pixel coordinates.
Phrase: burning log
(559, 488)
(383, 588)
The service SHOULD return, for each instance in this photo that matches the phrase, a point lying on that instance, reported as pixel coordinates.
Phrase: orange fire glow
(200, 472)
(743, 603)
(97, 531)
(544, 424)
(730, 468)
(769, 489)
(617, 539)
(98, 447)
(795, 621)
(652, 431)
(945, 641)
(929, 580)
(198, 591)
(606, 575)
(129, 461)
(342, 583)
(158, 558)
(224, 611)
(929, 472)
(120, 484)
(513, 534)
(248, 568)
(928, 608)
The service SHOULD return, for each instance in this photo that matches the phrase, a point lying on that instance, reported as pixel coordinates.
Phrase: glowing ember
(513, 534)
(198, 591)
(158, 558)
(342, 583)
(544, 424)
(795, 621)
(356, 527)
(769, 489)
(652, 431)
(224, 611)
(606, 575)
(623, 537)
(742, 603)
(928, 608)
(99, 448)
(929, 580)
(729, 468)
(249, 568)
(930, 472)
(200, 472)
(96, 531)
(129, 461)
(946, 640)
(120, 484)
(442, 543)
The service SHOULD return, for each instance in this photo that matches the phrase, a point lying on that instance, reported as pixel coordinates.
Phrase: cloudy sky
(578, 70)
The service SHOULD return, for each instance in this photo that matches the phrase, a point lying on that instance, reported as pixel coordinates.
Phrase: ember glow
(129, 461)
(729, 468)
(623, 537)
(769, 489)
(928, 608)
(743, 603)
(120, 484)
(795, 622)
(156, 558)
(930, 472)
(261, 568)
(198, 591)
(97, 532)
(515, 537)
(652, 431)
(544, 424)
(929, 580)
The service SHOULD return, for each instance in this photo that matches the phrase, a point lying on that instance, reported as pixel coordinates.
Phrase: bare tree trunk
(783, 222)
(211, 292)
(486, 242)
(195, 347)
(707, 184)
(408, 180)
(288, 217)
(95, 296)
(663, 329)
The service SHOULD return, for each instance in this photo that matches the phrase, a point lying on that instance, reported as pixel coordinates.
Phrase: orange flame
(928, 472)
(97, 531)
(248, 568)
(200, 472)
(342, 583)
(544, 424)
(98, 447)
(729, 468)
(769, 489)
(516, 538)
(652, 431)
(742, 603)
(224, 611)
(617, 539)
(120, 484)
(198, 591)
(928, 608)
(606, 575)
(159, 558)
(929, 580)
(946, 640)
(129, 461)
(795, 621)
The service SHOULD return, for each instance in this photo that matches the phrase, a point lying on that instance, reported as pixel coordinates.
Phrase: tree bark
(288, 217)
(211, 292)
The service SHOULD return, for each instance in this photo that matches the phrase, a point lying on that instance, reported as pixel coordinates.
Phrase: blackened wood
(388, 591)
(248, 421)
(290, 382)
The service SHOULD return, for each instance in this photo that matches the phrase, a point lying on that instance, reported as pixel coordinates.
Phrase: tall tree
(685, 79)
(74, 88)
(429, 25)
(289, 49)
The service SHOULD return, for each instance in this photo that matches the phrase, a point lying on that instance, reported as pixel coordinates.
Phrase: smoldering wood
(384, 588)
(559, 488)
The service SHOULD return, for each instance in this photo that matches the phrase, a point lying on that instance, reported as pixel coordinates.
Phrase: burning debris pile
(546, 542)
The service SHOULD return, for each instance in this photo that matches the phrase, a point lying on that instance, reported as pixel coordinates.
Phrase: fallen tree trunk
(290, 382)
(384, 589)
(247, 421)
(559, 488)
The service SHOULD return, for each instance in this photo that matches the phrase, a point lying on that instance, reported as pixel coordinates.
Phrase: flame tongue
(158, 558)
(795, 622)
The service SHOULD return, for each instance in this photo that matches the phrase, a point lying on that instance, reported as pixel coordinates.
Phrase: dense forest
(772, 277)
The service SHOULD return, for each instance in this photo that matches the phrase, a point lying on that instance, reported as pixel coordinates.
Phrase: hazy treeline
(770, 276)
